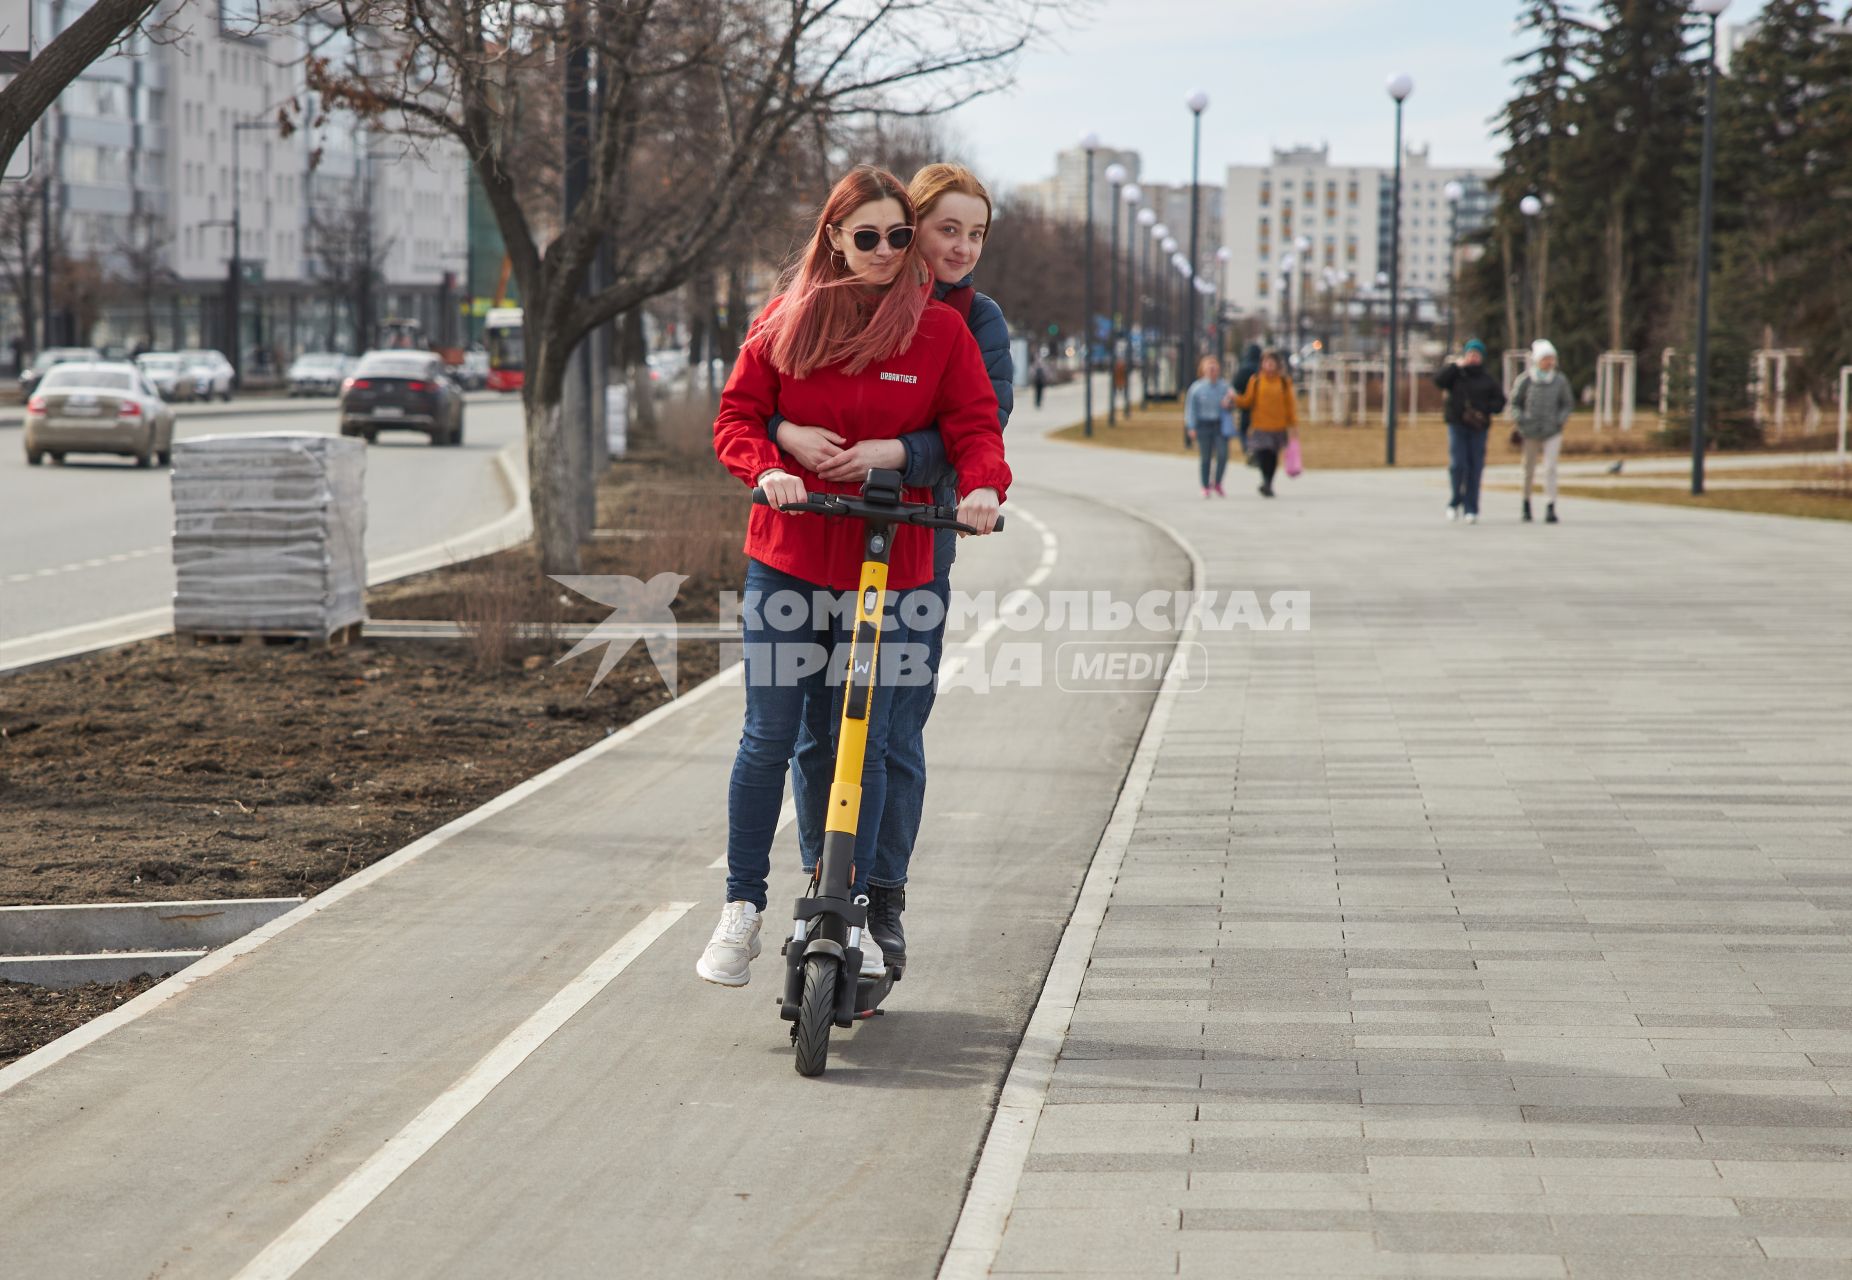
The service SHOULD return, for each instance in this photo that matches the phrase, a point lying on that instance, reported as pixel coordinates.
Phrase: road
(662, 1130)
(90, 542)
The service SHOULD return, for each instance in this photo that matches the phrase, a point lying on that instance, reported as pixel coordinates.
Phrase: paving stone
(1423, 962)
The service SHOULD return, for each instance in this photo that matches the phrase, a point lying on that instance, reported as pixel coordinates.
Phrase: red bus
(501, 334)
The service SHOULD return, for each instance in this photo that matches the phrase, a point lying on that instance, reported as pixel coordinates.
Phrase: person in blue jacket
(954, 212)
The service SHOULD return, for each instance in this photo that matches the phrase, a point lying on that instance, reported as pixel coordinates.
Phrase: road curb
(978, 1235)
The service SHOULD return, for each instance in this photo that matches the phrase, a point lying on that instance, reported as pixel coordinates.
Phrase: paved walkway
(1499, 926)
(1496, 926)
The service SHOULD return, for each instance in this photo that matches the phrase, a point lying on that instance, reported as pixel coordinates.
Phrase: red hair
(824, 320)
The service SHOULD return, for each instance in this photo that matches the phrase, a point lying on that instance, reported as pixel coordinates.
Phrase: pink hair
(825, 320)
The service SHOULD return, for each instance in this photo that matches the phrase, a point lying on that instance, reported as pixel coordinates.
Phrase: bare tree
(19, 251)
(678, 110)
(142, 253)
(347, 259)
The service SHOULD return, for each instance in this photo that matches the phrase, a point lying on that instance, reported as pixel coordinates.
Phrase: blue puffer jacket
(927, 463)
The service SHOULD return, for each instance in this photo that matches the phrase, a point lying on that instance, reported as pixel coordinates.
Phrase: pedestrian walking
(1038, 377)
(1209, 399)
(1244, 374)
(1474, 398)
(1541, 403)
(1269, 397)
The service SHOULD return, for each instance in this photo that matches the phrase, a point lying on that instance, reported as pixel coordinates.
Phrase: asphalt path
(90, 541)
(661, 1129)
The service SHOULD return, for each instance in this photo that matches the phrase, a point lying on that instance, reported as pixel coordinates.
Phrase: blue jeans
(1212, 445)
(906, 754)
(1466, 464)
(782, 676)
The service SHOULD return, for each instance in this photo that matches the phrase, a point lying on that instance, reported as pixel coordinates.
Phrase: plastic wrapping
(269, 533)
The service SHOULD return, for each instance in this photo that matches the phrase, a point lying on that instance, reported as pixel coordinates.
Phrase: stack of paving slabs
(269, 534)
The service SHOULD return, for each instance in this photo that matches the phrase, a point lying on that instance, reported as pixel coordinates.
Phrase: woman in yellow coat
(1274, 416)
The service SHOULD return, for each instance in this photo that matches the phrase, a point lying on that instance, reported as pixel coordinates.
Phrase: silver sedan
(101, 407)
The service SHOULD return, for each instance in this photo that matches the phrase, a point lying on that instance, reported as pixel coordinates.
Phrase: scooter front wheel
(816, 1015)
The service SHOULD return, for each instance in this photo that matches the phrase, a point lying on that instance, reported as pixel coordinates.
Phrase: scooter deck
(870, 992)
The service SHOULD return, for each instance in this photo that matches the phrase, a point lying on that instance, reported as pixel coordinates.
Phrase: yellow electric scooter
(823, 956)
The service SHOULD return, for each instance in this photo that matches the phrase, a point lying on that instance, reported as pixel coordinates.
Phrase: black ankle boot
(884, 910)
(1549, 514)
(1527, 511)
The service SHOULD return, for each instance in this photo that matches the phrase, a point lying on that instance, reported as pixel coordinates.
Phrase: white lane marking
(64, 1046)
(76, 565)
(987, 1206)
(786, 816)
(289, 1252)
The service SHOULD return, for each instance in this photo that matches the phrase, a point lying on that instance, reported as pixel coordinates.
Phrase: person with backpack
(1474, 398)
(1541, 403)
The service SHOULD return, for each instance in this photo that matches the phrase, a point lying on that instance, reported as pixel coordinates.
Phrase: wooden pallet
(340, 638)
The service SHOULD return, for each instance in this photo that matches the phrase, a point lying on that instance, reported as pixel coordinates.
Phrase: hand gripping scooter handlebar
(824, 983)
(882, 508)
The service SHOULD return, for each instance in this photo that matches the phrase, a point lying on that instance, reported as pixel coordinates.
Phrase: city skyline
(1316, 82)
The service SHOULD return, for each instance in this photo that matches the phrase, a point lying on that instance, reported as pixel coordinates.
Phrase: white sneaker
(874, 964)
(1453, 513)
(733, 948)
(1472, 517)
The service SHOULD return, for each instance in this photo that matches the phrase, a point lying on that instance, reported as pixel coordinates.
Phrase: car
(215, 369)
(170, 375)
(473, 373)
(318, 373)
(98, 407)
(402, 390)
(49, 357)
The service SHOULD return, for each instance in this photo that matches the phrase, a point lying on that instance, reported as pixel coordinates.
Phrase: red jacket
(939, 378)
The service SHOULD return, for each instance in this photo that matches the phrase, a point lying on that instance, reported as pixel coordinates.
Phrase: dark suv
(402, 391)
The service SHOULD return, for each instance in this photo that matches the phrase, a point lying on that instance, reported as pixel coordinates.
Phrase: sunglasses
(866, 238)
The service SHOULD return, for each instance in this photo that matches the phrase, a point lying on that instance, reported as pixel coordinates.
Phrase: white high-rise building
(1064, 196)
(140, 153)
(1344, 213)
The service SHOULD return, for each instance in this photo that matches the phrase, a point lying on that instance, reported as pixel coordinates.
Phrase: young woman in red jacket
(854, 344)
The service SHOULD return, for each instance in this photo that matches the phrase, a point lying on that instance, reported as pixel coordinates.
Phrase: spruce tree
(1532, 124)
(1631, 173)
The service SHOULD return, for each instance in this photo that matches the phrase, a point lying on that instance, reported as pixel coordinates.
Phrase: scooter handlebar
(915, 513)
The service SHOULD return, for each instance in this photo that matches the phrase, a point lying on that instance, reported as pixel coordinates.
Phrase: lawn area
(1773, 502)
(1328, 447)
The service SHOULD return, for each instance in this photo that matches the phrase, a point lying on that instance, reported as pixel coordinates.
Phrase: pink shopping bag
(1293, 463)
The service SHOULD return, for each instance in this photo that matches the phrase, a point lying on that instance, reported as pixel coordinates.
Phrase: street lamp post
(1169, 323)
(234, 286)
(1088, 143)
(1130, 197)
(1116, 176)
(1531, 207)
(1712, 9)
(1159, 234)
(1223, 256)
(1400, 86)
(1147, 220)
(1304, 246)
(1288, 264)
(1198, 102)
(1455, 192)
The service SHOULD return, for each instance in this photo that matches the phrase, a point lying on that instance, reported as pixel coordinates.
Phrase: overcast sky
(1278, 72)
